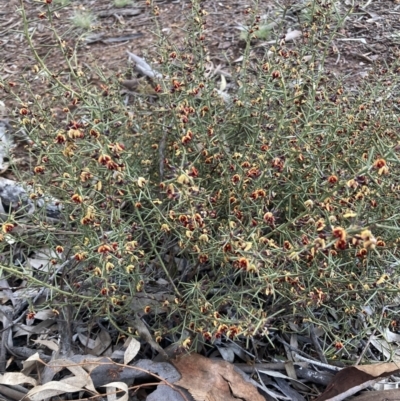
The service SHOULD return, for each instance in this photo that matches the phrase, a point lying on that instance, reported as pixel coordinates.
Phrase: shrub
(83, 19)
(122, 3)
(268, 204)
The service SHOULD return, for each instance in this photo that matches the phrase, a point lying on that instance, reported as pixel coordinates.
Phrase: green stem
(43, 284)
(154, 249)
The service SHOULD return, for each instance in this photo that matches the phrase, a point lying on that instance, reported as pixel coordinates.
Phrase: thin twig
(316, 363)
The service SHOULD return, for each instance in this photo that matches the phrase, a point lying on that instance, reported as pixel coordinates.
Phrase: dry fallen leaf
(13, 378)
(166, 393)
(89, 343)
(103, 341)
(51, 344)
(52, 389)
(209, 380)
(115, 386)
(387, 395)
(354, 379)
(292, 35)
(132, 350)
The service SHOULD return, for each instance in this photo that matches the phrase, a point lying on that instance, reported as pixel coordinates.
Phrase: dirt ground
(370, 34)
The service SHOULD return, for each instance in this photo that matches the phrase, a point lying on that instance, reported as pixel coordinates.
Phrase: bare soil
(370, 34)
